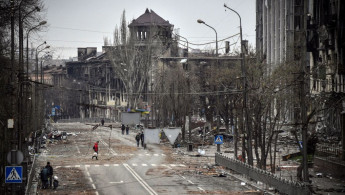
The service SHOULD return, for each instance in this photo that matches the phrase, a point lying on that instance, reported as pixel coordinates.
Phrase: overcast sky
(84, 23)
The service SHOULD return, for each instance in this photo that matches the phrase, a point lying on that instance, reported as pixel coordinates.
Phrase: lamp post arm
(37, 61)
(27, 47)
(240, 24)
(216, 38)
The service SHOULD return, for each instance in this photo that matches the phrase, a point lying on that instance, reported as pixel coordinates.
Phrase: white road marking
(190, 181)
(148, 154)
(201, 189)
(96, 193)
(140, 180)
(57, 167)
(93, 185)
(103, 142)
(77, 147)
(116, 181)
(134, 164)
(155, 154)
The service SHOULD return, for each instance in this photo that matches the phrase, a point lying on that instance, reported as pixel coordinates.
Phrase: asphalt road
(124, 168)
(143, 173)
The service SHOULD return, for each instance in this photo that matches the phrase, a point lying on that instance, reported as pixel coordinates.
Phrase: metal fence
(282, 185)
(330, 152)
(31, 175)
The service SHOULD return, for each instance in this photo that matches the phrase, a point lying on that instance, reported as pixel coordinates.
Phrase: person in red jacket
(95, 148)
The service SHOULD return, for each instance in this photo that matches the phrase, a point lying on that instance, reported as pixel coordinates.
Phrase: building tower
(149, 27)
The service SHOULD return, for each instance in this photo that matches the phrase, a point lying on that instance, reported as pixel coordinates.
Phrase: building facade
(307, 32)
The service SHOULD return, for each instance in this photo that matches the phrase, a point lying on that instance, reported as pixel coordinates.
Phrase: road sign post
(218, 139)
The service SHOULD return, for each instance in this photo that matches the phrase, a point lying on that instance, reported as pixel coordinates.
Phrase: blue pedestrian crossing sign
(218, 139)
(14, 174)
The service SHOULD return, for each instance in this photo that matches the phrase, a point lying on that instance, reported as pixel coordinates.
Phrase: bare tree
(132, 61)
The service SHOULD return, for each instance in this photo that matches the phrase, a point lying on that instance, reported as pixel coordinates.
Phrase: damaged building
(100, 91)
(309, 33)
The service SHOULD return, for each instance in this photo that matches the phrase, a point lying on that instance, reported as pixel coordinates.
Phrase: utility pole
(303, 95)
(13, 100)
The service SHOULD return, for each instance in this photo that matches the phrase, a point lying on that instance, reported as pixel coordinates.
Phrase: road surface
(124, 168)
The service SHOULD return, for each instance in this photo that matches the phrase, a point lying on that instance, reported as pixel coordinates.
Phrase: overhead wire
(76, 29)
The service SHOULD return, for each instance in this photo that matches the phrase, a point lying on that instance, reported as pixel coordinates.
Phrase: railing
(282, 185)
(31, 175)
(330, 152)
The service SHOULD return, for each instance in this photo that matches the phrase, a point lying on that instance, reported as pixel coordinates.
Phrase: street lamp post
(47, 55)
(217, 107)
(246, 117)
(27, 43)
(188, 84)
(22, 101)
(37, 52)
(21, 39)
(36, 95)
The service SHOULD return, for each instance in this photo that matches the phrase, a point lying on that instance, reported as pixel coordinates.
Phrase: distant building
(101, 93)
(150, 26)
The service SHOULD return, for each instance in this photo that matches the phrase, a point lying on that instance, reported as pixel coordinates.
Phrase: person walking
(44, 177)
(142, 139)
(49, 173)
(127, 130)
(123, 128)
(102, 122)
(95, 148)
(137, 138)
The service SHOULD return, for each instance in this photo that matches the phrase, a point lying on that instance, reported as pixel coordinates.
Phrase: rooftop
(149, 18)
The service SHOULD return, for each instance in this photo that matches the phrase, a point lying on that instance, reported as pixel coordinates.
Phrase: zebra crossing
(118, 165)
(106, 153)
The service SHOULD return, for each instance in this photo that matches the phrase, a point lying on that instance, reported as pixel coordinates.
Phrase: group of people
(123, 128)
(139, 137)
(47, 177)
